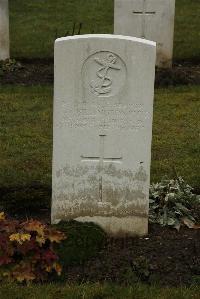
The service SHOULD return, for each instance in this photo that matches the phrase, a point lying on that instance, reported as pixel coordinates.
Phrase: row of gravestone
(103, 110)
(149, 19)
(102, 131)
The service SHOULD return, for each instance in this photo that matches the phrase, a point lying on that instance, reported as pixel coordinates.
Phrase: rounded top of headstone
(107, 36)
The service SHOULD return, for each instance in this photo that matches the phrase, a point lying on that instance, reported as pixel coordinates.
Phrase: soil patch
(32, 72)
(178, 75)
(165, 256)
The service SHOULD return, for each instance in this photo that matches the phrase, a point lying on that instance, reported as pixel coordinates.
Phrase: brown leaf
(23, 273)
(189, 223)
(2, 216)
(55, 236)
(196, 226)
(34, 226)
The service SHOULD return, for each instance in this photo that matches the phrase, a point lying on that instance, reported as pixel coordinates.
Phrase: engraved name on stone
(131, 117)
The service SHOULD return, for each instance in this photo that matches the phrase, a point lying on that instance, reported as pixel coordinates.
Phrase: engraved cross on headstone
(101, 160)
(144, 13)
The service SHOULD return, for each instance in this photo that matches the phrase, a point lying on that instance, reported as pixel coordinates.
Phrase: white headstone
(103, 106)
(4, 30)
(150, 19)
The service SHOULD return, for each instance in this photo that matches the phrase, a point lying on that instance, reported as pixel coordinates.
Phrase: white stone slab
(4, 30)
(150, 19)
(103, 106)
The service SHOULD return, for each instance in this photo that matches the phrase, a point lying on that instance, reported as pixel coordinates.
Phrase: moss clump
(84, 240)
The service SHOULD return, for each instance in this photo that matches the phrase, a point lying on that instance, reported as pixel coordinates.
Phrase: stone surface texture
(103, 107)
(4, 30)
(149, 19)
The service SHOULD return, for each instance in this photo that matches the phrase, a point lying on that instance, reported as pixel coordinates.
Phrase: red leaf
(49, 256)
(4, 260)
(28, 246)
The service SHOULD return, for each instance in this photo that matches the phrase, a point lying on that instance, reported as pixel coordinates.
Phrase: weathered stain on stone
(122, 193)
(92, 209)
(165, 60)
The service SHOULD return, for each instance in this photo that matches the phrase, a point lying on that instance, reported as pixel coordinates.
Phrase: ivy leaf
(171, 221)
(181, 207)
(173, 203)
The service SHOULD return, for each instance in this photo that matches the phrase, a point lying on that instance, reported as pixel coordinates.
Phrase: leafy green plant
(141, 268)
(26, 250)
(172, 203)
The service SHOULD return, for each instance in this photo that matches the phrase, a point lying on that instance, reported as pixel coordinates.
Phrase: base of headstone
(117, 227)
(163, 60)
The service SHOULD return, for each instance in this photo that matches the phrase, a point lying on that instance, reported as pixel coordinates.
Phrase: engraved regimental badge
(104, 74)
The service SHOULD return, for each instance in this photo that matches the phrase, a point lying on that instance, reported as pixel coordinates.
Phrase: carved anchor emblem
(103, 85)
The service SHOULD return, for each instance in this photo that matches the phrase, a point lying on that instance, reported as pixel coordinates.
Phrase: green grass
(176, 129)
(26, 145)
(34, 25)
(26, 135)
(95, 291)
(187, 30)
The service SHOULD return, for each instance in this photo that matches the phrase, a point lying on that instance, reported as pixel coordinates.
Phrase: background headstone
(149, 19)
(4, 30)
(103, 106)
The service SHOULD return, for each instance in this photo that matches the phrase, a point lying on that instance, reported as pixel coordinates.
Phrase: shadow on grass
(27, 201)
(84, 240)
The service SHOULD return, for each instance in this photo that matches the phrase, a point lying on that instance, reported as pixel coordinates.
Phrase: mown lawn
(95, 291)
(176, 128)
(26, 139)
(34, 25)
